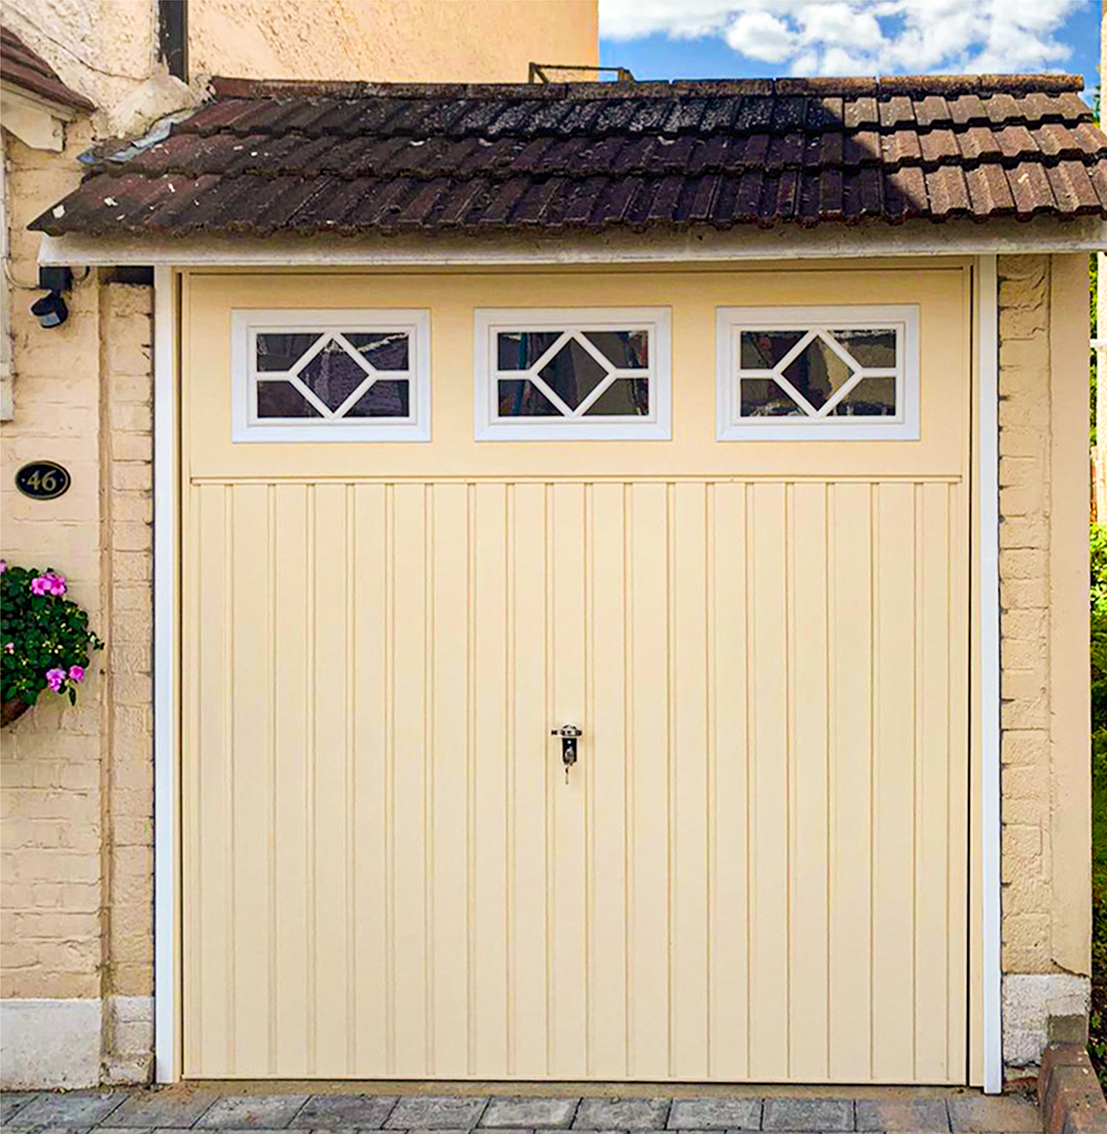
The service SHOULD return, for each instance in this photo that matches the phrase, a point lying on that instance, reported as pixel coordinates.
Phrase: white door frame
(167, 922)
(167, 802)
(986, 337)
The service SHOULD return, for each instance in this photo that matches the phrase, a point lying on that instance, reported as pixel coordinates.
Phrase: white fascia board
(34, 123)
(789, 242)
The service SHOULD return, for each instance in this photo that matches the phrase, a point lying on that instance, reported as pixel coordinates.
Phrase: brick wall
(50, 776)
(1024, 598)
(1037, 984)
(76, 784)
(127, 516)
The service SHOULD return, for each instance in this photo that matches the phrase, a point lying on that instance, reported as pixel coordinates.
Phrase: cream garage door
(756, 870)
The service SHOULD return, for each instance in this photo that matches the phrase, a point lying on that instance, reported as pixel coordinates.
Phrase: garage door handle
(569, 734)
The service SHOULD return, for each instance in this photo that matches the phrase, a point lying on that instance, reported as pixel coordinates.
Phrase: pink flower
(76, 673)
(50, 583)
(55, 678)
(9, 648)
(3, 566)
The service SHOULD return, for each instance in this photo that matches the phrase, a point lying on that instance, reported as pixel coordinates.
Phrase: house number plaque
(42, 480)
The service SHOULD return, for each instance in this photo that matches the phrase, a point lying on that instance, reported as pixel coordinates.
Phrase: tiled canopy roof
(21, 67)
(370, 158)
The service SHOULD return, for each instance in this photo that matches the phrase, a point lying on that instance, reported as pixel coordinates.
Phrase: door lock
(569, 735)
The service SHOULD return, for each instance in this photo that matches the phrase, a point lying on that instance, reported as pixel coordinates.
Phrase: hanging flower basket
(45, 640)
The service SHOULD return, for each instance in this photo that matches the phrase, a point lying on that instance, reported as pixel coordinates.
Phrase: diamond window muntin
(334, 373)
(817, 373)
(570, 371)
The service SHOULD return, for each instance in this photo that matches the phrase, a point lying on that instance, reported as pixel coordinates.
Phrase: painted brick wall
(127, 391)
(76, 785)
(1024, 598)
(51, 824)
(1038, 983)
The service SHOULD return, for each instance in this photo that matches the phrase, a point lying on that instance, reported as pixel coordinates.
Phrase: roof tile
(938, 146)
(931, 109)
(861, 112)
(978, 143)
(360, 157)
(1015, 141)
(27, 70)
(897, 111)
(1031, 189)
(988, 190)
(1072, 187)
(966, 109)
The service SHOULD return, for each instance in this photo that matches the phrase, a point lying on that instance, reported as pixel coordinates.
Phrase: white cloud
(861, 36)
(761, 35)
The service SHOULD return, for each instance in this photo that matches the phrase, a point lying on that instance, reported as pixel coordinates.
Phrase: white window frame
(489, 322)
(732, 321)
(247, 324)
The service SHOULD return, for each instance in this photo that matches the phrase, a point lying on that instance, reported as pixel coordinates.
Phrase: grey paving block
(550, 1114)
(622, 1114)
(436, 1112)
(13, 1101)
(824, 1115)
(499, 1131)
(252, 1112)
(337, 1112)
(45, 1129)
(162, 1109)
(73, 1108)
(988, 1114)
(902, 1115)
(718, 1113)
(437, 1131)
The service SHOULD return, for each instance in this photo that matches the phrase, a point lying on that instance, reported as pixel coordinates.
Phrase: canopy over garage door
(757, 868)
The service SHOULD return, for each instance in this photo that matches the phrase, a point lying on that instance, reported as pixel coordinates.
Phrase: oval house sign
(42, 480)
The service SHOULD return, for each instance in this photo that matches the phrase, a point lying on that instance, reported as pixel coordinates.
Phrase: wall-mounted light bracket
(50, 309)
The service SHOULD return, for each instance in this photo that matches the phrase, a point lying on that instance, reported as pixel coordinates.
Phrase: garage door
(756, 868)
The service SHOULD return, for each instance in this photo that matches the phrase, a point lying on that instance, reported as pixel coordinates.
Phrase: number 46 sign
(42, 480)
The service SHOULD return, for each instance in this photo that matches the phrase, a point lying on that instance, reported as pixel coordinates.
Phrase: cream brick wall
(1043, 597)
(1024, 594)
(127, 393)
(76, 784)
(51, 790)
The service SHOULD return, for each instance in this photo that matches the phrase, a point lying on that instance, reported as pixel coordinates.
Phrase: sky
(714, 39)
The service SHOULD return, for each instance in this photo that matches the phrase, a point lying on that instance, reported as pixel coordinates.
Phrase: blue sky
(693, 39)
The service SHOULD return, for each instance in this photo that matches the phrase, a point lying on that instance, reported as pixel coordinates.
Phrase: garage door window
(818, 373)
(544, 375)
(331, 376)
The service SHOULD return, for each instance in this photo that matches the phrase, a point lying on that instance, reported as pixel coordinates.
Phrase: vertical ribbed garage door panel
(808, 827)
(752, 873)
(728, 844)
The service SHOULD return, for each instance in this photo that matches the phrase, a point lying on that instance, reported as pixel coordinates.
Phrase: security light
(50, 310)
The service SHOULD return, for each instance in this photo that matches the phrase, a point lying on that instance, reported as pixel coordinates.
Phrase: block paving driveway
(201, 1109)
